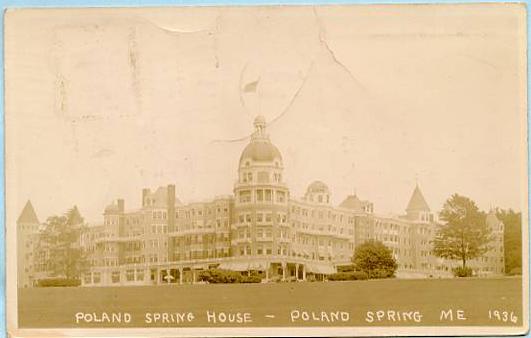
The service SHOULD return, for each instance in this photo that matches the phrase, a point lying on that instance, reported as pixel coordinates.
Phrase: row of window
(263, 250)
(321, 227)
(261, 177)
(263, 218)
(262, 195)
(323, 214)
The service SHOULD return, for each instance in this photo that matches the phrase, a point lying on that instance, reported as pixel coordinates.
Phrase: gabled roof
(417, 201)
(28, 215)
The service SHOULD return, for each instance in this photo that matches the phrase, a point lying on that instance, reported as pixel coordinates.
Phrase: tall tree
(375, 259)
(464, 235)
(61, 239)
(512, 238)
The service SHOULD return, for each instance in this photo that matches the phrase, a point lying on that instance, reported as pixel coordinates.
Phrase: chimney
(121, 205)
(145, 193)
(171, 206)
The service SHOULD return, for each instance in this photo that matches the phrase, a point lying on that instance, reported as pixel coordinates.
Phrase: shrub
(462, 272)
(216, 276)
(346, 268)
(375, 259)
(251, 279)
(515, 271)
(58, 282)
(359, 275)
(342, 276)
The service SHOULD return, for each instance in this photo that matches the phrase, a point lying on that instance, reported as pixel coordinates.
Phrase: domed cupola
(260, 161)
(260, 149)
(317, 192)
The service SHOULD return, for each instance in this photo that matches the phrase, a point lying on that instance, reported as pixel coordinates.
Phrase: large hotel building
(260, 227)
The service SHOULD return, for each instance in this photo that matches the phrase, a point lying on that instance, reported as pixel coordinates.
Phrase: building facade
(259, 228)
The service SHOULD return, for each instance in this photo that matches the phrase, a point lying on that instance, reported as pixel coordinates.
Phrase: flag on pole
(251, 87)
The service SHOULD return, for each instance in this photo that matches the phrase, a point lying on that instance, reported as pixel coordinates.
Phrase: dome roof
(261, 151)
(318, 187)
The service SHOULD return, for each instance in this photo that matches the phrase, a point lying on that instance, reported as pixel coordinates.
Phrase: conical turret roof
(417, 201)
(28, 215)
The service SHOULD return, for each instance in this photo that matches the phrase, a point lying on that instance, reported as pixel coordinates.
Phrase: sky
(101, 103)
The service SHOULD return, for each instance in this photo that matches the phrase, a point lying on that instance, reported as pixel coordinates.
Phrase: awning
(257, 266)
(225, 266)
(320, 268)
(239, 267)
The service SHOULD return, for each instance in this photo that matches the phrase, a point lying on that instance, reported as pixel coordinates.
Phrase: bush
(58, 282)
(375, 259)
(462, 272)
(382, 273)
(342, 276)
(346, 268)
(515, 271)
(216, 276)
(251, 279)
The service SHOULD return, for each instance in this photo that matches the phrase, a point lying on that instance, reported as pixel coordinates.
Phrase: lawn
(354, 303)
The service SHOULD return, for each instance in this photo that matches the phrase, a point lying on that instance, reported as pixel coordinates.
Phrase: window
(96, 278)
(268, 217)
(259, 217)
(268, 195)
(281, 196)
(87, 279)
(245, 196)
(115, 277)
(259, 195)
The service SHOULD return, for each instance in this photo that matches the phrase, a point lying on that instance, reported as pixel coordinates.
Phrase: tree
(61, 239)
(464, 235)
(512, 238)
(375, 259)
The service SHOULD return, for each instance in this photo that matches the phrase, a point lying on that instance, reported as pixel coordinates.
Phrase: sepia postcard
(342, 170)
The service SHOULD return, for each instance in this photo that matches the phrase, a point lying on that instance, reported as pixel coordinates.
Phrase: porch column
(181, 275)
(193, 276)
(267, 272)
(304, 272)
(283, 271)
(168, 275)
(297, 271)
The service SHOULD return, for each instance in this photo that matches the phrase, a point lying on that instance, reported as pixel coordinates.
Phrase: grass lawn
(272, 304)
